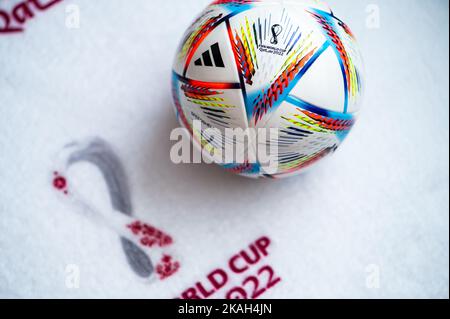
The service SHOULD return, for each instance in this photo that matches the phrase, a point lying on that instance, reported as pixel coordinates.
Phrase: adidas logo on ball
(206, 60)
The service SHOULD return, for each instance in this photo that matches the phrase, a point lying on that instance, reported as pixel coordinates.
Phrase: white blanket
(370, 222)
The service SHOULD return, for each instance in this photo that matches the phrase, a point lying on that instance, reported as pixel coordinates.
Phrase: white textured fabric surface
(379, 206)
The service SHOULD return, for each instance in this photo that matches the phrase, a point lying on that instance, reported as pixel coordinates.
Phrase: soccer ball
(289, 67)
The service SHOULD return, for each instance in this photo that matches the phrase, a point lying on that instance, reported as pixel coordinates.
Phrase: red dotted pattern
(167, 267)
(60, 183)
(149, 235)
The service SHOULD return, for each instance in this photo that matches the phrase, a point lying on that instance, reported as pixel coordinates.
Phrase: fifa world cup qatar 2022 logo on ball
(287, 74)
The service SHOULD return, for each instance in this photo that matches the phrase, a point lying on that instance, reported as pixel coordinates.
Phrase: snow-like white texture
(381, 201)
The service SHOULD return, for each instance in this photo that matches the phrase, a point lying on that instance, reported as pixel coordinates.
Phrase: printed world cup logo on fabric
(148, 249)
(15, 14)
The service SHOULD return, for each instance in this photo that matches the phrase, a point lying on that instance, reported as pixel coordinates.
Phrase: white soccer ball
(289, 66)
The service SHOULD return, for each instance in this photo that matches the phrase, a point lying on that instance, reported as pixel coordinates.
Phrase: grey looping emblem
(276, 31)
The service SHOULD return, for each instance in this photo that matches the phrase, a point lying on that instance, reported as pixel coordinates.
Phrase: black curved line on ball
(100, 154)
